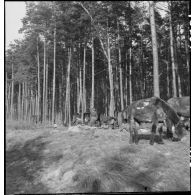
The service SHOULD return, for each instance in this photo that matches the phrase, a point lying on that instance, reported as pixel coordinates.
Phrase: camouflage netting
(144, 110)
(181, 105)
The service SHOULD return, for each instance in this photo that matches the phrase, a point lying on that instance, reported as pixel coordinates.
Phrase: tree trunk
(142, 67)
(180, 50)
(54, 77)
(12, 93)
(46, 91)
(168, 92)
(155, 50)
(187, 31)
(111, 108)
(19, 100)
(62, 95)
(130, 76)
(30, 103)
(78, 83)
(179, 86)
(38, 73)
(78, 91)
(67, 103)
(70, 55)
(126, 80)
(50, 105)
(6, 95)
(80, 96)
(187, 54)
(9, 101)
(60, 99)
(36, 105)
(177, 67)
(112, 104)
(172, 54)
(84, 89)
(130, 58)
(106, 99)
(26, 100)
(22, 113)
(92, 88)
(187, 44)
(120, 70)
(44, 67)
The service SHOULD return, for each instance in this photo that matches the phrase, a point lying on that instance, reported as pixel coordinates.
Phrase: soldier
(86, 118)
(76, 119)
(120, 119)
(93, 117)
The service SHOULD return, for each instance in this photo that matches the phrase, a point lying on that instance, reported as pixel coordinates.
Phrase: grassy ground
(93, 160)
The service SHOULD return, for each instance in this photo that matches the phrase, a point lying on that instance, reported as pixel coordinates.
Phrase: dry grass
(19, 125)
(93, 160)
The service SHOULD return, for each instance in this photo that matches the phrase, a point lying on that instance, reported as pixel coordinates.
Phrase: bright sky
(14, 12)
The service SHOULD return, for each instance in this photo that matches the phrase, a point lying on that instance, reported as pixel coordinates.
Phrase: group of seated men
(92, 118)
(120, 120)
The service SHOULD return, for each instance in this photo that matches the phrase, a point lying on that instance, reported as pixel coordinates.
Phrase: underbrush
(20, 125)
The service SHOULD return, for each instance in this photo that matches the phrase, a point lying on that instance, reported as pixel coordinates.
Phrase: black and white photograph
(97, 97)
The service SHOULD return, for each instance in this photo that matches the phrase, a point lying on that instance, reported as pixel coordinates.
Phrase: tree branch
(92, 21)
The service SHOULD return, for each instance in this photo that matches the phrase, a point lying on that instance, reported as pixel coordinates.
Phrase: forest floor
(84, 159)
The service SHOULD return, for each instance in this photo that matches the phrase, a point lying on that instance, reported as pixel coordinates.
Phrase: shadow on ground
(129, 170)
(23, 164)
(78, 162)
(117, 173)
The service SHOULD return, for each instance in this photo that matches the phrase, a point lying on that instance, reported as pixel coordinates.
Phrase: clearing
(84, 159)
